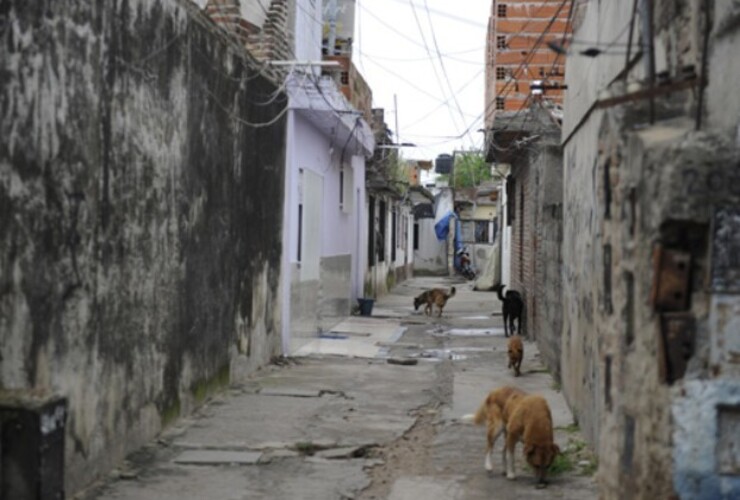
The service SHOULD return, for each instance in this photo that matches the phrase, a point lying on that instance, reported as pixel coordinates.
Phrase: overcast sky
(397, 49)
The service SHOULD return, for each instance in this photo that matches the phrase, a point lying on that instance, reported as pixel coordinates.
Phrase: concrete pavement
(339, 421)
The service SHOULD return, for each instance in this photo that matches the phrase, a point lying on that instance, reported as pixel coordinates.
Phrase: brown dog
(516, 353)
(435, 296)
(523, 418)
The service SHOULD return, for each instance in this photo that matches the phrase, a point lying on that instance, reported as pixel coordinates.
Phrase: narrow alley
(332, 426)
(216, 216)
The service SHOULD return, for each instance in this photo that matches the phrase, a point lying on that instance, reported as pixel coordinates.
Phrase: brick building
(531, 221)
(524, 78)
(518, 55)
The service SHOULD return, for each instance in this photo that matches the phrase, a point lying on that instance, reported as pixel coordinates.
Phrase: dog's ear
(528, 450)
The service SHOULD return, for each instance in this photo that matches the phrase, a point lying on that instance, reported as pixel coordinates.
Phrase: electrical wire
(434, 67)
(442, 65)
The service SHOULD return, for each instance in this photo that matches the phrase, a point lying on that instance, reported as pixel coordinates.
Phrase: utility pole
(395, 105)
(332, 42)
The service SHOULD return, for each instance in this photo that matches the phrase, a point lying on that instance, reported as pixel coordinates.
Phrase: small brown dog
(435, 296)
(524, 418)
(516, 353)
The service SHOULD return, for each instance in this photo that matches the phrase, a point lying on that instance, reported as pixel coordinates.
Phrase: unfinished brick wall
(269, 42)
(523, 242)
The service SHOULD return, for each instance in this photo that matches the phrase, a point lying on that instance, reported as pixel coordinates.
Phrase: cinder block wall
(140, 216)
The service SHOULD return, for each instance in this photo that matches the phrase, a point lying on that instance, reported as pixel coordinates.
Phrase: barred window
(501, 10)
(499, 103)
(500, 73)
(500, 42)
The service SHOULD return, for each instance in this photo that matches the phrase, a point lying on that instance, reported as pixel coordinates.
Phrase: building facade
(141, 184)
(519, 59)
(650, 243)
(325, 231)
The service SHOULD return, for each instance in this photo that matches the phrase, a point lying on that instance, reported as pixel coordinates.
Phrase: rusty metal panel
(671, 279)
(677, 335)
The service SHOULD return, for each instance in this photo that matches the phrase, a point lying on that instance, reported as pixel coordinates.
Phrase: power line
(441, 63)
(468, 83)
(452, 17)
(434, 68)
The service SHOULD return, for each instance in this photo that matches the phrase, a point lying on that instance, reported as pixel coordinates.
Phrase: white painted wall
(431, 257)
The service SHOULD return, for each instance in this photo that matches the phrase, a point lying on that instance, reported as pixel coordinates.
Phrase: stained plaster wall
(431, 256)
(628, 187)
(140, 228)
(586, 78)
(547, 296)
(317, 303)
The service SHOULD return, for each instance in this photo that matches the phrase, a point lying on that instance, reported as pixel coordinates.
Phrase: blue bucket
(366, 306)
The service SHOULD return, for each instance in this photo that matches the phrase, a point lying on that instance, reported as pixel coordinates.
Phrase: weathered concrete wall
(336, 288)
(430, 257)
(140, 216)
(547, 302)
(633, 189)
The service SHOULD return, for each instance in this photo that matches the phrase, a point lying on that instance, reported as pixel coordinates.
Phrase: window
(499, 103)
(500, 73)
(500, 42)
(416, 235)
(481, 231)
(394, 235)
(300, 230)
(475, 231)
(345, 78)
(346, 181)
(371, 228)
(341, 188)
(501, 10)
(380, 232)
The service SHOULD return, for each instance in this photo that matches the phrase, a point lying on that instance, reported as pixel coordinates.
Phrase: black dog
(511, 309)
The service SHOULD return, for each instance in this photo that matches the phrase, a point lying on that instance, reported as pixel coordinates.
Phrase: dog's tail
(452, 292)
(479, 417)
(468, 418)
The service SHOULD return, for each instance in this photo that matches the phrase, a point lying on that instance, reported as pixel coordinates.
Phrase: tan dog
(516, 353)
(435, 296)
(523, 418)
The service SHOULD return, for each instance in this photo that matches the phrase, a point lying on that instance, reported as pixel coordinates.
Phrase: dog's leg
(509, 450)
(503, 454)
(506, 319)
(494, 431)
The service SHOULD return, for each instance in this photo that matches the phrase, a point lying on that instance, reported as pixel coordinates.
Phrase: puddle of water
(471, 332)
(456, 354)
(476, 318)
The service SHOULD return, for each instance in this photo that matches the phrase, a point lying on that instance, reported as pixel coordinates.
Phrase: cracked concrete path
(326, 426)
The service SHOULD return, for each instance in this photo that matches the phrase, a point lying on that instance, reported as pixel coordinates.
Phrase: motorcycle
(464, 264)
